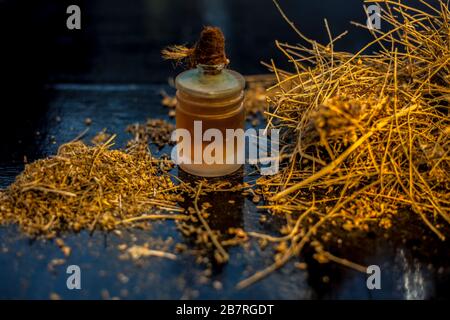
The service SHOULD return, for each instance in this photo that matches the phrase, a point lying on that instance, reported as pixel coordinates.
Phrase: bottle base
(209, 171)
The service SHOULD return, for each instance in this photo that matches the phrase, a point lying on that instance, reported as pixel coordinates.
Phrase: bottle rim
(224, 84)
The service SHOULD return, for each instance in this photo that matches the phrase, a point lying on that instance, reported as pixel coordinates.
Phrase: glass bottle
(213, 95)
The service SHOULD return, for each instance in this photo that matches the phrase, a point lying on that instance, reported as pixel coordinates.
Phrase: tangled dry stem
(371, 130)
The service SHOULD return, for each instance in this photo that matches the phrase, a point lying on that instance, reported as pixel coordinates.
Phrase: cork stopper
(208, 51)
(210, 48)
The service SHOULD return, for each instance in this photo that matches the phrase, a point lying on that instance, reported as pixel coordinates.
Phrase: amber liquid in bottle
(217, 101)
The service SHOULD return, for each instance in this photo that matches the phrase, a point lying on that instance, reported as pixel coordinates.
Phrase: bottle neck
(214, 69)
